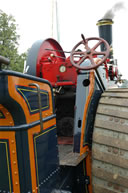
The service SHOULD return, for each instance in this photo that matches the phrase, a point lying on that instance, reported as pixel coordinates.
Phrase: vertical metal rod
(57, 22)
(39, 102)
(52, 17)
(98, 75)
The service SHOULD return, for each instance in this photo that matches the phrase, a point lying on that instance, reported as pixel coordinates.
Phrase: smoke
(111, 13)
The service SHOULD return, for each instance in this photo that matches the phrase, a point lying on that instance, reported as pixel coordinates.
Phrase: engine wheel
(110, 143)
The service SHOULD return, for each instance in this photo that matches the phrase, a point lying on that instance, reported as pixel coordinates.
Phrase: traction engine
(47, 60)
(78, 144)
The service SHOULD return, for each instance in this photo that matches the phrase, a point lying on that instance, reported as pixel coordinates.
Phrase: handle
(39, 102)
(4, 60)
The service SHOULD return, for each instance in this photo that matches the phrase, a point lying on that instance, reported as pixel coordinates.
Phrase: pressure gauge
(62, 68)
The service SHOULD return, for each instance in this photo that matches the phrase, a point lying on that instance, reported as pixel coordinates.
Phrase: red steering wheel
(89, 53)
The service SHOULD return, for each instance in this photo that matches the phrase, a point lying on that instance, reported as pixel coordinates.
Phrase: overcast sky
(34, 19)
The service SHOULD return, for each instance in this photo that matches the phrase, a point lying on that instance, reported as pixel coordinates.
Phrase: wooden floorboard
(67, 157)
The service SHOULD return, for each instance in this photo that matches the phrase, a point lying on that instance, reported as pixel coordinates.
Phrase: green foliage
(9, 42)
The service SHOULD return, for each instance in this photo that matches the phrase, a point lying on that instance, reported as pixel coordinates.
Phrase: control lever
(4, 60)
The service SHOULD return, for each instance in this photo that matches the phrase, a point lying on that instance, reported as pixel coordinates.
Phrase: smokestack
(105, 24)
(105, 31)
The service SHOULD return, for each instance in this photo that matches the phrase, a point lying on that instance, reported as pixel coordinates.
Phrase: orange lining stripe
(84, 149)
(16, 81)
(13, 159)
(91, 90)
(20, 90)
(8, 120)
(9, 175)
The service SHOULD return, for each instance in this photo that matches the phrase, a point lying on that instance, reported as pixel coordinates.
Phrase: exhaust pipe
(105, 32)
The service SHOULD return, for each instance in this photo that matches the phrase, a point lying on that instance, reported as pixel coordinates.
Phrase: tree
(18, 62)
(9, 42)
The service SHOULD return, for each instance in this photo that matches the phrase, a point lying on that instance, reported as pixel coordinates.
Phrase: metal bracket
(39, 102)
(87, 180)
(83, 180)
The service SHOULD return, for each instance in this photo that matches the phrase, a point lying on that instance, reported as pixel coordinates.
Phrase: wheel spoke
(78, 53)
(99, 53)
(92, 60)
(81, 60)
(96, 46)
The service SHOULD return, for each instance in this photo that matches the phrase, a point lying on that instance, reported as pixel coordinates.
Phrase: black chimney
(105, 31)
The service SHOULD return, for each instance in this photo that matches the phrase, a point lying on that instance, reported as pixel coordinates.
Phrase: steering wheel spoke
(81, 60)
(91, 60)
(78, 53)
(97, 45)
(99, 53)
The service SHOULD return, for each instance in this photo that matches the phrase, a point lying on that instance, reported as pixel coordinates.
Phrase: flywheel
(110, 143)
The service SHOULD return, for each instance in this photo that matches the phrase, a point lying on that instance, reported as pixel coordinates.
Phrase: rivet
(12, 141)
(33, 190)
(15, 173)
(13, 151)
(16, 183)
(14, 162)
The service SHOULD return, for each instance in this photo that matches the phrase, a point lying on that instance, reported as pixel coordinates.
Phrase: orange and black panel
(5, 167)
(5, 117)
(2, 116)
(21, 133)
(9, 171)
(31, 98)
(43, 151)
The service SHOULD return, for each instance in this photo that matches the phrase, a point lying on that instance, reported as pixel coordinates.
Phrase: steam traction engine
(38, 154)
(46, 59)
